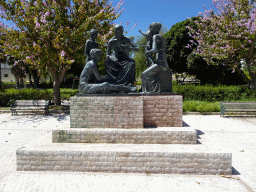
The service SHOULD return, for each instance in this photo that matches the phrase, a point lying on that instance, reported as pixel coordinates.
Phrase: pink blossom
(62, 53)
(37, 26)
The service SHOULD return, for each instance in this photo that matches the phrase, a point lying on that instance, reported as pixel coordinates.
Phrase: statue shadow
(199, 132)
(185, 124)
(235, 172)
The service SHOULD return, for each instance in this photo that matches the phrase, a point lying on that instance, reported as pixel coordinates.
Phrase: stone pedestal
(126, 111)
(115, 149)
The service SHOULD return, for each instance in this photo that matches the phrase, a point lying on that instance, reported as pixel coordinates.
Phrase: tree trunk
(56, 91)
(251, 73)
(21, 82)
(253, 83)
(17, 83)
(57, 79)
(30, 79)
(1, 86)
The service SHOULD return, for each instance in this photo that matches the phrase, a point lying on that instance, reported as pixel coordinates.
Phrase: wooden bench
(30, 105)
(237, 107)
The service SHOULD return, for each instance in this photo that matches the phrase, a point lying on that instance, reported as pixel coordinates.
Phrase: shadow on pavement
(234, 171)
(240, 116)
(37, 118)
(185, 124)
(199, 132)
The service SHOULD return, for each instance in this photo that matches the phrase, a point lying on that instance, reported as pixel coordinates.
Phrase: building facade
(6, 73)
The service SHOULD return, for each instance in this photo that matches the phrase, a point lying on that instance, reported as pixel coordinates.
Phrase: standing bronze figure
(91, 44)
(150, 77)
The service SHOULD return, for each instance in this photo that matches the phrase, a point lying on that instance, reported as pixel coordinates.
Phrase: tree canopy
(180, 56)
(227, 33)
(50, 34)
(177, 38)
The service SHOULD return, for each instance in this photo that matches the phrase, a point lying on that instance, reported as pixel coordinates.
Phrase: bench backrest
(31, 102)
(239, 105)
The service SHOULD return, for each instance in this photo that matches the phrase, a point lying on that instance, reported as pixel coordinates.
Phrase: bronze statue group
(120, 68)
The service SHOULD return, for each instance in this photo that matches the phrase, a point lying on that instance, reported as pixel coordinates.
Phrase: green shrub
(214, 93)
(10, 95)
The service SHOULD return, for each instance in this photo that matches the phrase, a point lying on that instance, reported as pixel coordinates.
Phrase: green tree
(180, 57)
(49, 34)
(177, 40)
(19, 72)
(213, 74)
(140, 57)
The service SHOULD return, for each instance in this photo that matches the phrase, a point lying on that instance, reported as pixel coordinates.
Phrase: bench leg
(14, 112)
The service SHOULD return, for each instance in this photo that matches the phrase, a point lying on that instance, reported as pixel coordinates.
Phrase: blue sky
(167, 12)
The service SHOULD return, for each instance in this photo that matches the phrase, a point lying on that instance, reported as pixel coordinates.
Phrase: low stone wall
(131, 136)
(114, 161)
(126, 111)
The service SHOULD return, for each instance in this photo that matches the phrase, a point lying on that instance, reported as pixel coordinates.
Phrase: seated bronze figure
(91, 82)
(120, 66)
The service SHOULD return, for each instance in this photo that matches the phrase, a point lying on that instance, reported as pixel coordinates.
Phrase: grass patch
(201, 106)
(4, 108)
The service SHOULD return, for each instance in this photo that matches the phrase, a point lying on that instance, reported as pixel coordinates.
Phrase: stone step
(124, 158)
(168, 135)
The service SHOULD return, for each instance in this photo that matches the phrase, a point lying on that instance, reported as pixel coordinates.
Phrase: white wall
(6, 73)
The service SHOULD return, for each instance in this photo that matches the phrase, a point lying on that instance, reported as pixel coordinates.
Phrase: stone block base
(170, 135)
(123, 158)
(126, 111)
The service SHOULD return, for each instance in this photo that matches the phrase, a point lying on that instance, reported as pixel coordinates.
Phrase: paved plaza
(233, 135)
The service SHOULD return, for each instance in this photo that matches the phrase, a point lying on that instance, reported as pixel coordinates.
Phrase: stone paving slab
(236, 135)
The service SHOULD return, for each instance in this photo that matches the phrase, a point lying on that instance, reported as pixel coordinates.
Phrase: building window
(5, 75)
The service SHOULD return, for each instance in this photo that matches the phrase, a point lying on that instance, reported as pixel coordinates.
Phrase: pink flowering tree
(227, 33)
(48, 34)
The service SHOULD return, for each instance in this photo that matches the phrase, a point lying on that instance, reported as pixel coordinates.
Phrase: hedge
(9, 96)
(214, 93)
(189, 92)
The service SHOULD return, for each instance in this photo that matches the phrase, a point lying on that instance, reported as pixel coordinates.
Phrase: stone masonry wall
(163, 111)
(130, 136)
(126, 111)
(106, 112)
(137, 162)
